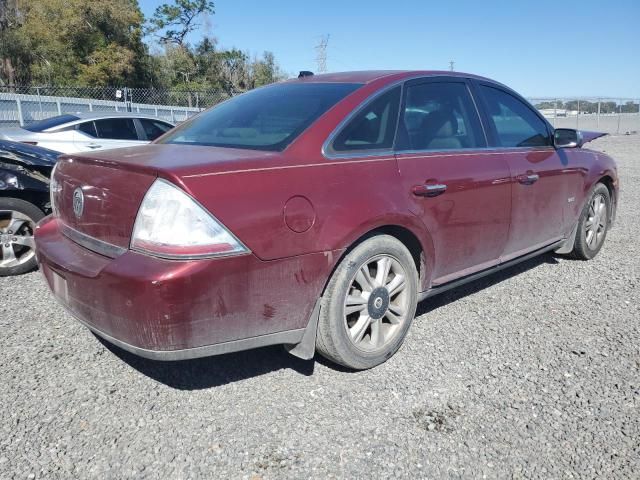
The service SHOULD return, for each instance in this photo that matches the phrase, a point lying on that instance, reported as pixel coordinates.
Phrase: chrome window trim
(329, 154)
(98, 246)
(327, 150)
(472, 150)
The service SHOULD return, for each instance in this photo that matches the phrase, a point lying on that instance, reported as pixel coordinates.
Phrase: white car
(83, 132)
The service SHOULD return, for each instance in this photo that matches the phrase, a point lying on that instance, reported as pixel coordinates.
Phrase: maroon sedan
(316, 213)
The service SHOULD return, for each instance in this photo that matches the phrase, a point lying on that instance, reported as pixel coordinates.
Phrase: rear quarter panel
(335, 201)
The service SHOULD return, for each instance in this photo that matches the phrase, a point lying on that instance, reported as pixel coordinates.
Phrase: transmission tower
(452, 65)
(321, 56)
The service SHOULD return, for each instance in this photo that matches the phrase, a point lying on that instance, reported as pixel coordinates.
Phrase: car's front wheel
(368, 304)
(17, 224)
(593, 224)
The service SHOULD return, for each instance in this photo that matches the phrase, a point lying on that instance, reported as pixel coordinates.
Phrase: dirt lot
(531, 373)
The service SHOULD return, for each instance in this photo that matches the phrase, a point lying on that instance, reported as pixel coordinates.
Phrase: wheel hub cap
(378, 302)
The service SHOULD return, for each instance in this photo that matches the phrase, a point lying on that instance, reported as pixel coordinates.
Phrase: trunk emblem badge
(78, 202)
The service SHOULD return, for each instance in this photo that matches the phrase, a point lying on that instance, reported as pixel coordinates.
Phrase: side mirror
(567, 138)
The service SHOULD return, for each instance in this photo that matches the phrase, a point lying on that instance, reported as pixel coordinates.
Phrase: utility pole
(321, 56)
(451, 65)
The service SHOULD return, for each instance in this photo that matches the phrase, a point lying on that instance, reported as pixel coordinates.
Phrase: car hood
(28, 155)
(590, 136)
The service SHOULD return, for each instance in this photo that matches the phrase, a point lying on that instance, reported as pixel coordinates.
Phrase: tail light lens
(54, 188)
(171, 224)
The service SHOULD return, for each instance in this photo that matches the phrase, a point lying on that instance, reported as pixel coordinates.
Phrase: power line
(321, 57)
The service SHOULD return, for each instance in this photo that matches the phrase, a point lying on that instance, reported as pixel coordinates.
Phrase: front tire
(369, 304)
(593, 224)
(17, 247)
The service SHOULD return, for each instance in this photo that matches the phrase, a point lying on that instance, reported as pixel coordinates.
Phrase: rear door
(539, 191)
(461, 191)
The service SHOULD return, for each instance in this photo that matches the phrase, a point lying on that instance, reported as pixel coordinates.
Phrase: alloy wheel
(17, 245)
(596, 224)
(377, 303)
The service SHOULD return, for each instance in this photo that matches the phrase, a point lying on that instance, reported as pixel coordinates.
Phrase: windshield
(52, 122)
(268, 118)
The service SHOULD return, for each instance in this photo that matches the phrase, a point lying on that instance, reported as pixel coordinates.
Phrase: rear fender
(407, 222)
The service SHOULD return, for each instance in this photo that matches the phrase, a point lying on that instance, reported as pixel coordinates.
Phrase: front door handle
(528, 178)
(429, 189)
(94, 146)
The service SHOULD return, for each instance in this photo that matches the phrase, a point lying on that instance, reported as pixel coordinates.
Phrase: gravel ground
(534, 372)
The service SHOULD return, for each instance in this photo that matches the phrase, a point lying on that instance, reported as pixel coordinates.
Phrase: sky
(541, 49)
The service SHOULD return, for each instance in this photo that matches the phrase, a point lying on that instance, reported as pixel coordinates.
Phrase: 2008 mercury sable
(316, 213)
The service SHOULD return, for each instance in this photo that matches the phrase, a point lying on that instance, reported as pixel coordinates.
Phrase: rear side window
(116, 129)
(154, 128)
(268, 118)
(516, 124)
(89, 128)
(373, 127)
(439, 116)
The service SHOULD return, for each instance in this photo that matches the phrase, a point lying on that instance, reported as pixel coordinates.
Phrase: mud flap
(306, 349)
(567, 246)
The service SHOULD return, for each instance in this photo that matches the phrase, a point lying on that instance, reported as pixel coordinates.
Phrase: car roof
(98, 115)
(368, 76)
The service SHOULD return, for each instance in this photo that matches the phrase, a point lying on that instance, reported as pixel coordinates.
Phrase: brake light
(171, 224)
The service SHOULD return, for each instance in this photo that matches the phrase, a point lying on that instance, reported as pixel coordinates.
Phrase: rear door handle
(528, 178)
(94, 146)
(429, 189)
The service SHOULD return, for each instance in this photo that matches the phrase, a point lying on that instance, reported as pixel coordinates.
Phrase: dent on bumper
(174, 310)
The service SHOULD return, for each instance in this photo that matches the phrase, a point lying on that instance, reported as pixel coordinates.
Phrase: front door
(540, 188)
(461, 192)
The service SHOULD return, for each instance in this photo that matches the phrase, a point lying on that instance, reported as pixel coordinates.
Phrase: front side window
(116, 129)
(439, 116)
(373, 128)
(268, 118)
(516, 124)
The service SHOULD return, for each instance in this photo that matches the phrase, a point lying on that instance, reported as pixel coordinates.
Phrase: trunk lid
(114, 182)
(111, 195)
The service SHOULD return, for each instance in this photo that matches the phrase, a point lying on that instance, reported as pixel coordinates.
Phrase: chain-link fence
(24, 105)
(604, 114)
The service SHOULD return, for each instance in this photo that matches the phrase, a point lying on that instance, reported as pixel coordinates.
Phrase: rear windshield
(52, 122)
(268, 118)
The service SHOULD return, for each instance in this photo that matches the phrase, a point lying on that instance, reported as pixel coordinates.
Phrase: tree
(74, 41)
(266, 71)
(176, 21)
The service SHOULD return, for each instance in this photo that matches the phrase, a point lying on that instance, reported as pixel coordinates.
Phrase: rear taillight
(171, 224)
(54, 188)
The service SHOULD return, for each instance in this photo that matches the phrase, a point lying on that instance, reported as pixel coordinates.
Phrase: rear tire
(369, 304)
(18, 220)
(593, 224)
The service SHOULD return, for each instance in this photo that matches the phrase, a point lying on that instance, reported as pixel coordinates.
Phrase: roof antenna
(305, 73)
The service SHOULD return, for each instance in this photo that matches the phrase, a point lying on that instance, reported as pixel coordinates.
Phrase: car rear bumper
(173, 310)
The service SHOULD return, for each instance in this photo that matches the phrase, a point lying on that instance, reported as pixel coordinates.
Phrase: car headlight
(171, 224)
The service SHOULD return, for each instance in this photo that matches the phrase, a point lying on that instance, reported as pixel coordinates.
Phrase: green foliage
(100, 43)
(178, 20)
